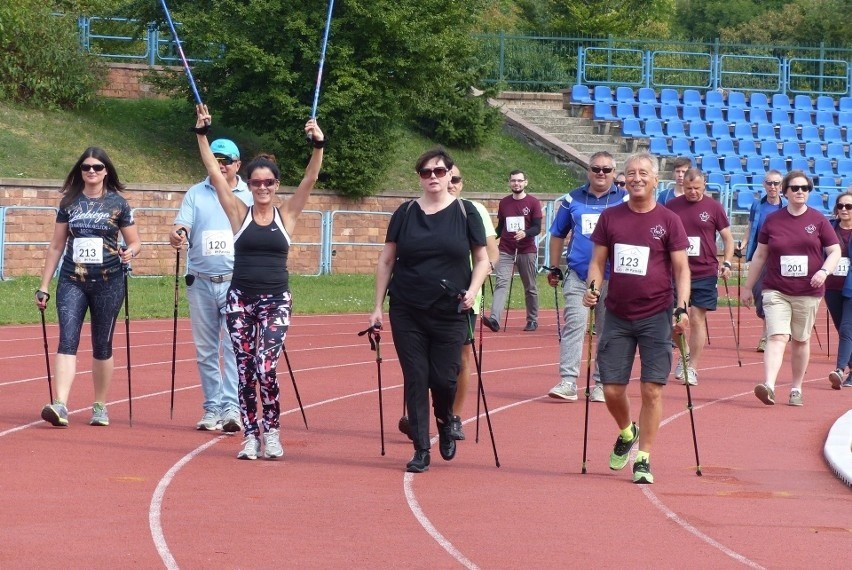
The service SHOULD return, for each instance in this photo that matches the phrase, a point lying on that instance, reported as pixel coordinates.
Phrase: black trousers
(428, 344)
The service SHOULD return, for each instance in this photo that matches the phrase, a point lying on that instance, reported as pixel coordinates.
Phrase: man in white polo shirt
(210, 262)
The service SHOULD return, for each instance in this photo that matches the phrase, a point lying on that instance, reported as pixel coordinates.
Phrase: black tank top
(260, 257)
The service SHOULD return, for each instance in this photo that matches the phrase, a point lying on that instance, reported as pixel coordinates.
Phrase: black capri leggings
(103, 299)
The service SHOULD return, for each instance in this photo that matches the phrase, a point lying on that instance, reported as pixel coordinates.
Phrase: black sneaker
(420, 462)
(642, 473)
(446, 443)
(618, 458)
(531, 326)
(491, 323)
(405, 427)
(456, 431)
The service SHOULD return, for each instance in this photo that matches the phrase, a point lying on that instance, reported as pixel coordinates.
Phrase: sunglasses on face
(798, 188)
(620, 183)
(456, 179)
(847, 206)
(599, 169)
(257, 183)
(226, 160)
(438, 171)
(772, 182)
(95, 167)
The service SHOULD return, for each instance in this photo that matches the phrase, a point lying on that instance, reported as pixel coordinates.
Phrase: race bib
(88, 251)
(218, 242)
(794, 265)
(631, 259)
(842, 268)
(694, 246)
(588, 223)
(515, 224)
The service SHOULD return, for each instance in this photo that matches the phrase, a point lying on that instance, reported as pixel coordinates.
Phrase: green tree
(705, 19)
(804, 22)
(601, 18)
(384, 60)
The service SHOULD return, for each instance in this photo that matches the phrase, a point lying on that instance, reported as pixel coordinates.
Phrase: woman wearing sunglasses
(838, 293)
(425, 269)
(799, 249)
(91, 215)
(258, 301)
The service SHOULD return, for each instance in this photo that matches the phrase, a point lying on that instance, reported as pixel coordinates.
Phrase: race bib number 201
(794, 265)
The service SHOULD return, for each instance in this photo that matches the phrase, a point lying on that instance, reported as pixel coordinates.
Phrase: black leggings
(102, 299)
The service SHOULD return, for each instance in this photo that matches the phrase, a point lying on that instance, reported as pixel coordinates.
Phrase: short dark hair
(263, 161)
(682, 161)
(434, 152)
(785, 183)
(694, 174)
(516, 172)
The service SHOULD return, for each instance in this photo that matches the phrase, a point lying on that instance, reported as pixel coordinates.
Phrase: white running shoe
(210, 421)
(251, 447)
(272, 448)
(564, 391)
(597, 394)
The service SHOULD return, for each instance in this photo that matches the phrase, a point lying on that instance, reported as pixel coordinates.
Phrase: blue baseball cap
(225, 147)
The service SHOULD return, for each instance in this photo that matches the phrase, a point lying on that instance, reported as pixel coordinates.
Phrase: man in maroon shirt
(702, 218)
(518, 224)
(645, 244)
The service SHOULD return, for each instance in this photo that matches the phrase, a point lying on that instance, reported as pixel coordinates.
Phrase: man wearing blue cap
(201, 222)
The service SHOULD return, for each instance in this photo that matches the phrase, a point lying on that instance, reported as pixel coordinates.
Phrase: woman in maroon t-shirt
(799, 249)
(836, 292)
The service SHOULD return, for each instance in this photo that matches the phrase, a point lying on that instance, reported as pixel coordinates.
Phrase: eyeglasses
(846, 206)
(798, 188)
(772, 182)
(226, 160)
(95, 167)
(620, 183)
(438, 171)
(260, 183)
(456, 179)
(599, 169)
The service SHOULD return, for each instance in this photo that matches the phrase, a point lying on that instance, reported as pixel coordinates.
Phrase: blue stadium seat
(624, 95)
(803, 103)
(845, 104)
(698, 129)
(602, 93)
(826, 103)
(791, 149)
(716, 178)
(823, 168)
(846, 182)
(800, 163)
(737, 179)
(758, 117)
(758, 101)
(669, 97)
(692, 98)
(654, 128)
(778, 163)
(744, 200)
(754, 165)
(714, 114)
(769, 148)
(737, 99)
(647, 96)
(702, 146)
(736, 115)
(810, 133)
(801, 117)
(625, 111)
(680, 147)
(725, 147)
(732, 164)
(831, 134)
(675, 129)
(844, 167)
(825, 118)
(659, 146)
(788, 133)
(603, 112)
(720, 131)
(691, 114)
(715, 99)
(669, 112)
(844, 121)
(813, 150)
(647, 111)
(779, 117)
(816, 201)
(710, 163)
(580, 95)
(746, 147)
(743, 132)
(632, 129)
(836, 150)
(781, 101)
(766, 132)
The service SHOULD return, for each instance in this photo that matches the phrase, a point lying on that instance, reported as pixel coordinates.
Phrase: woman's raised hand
(202, 116)
(313, 130)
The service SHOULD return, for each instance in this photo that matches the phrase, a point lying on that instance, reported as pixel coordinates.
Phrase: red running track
(161, 494)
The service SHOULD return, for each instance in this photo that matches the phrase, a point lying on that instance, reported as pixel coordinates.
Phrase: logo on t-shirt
(810, 229)
(658, 232)
(704, 216)
(526, 211)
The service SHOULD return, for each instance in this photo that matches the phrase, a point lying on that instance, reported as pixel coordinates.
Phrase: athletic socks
(640, 455)
(627, 433)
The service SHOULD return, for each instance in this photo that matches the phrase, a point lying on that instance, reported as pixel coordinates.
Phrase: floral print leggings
(258, 326)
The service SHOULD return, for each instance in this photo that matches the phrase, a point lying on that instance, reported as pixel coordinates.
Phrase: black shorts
(704, 294)
(618, 343)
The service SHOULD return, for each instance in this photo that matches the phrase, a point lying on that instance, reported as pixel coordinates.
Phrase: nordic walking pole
(738, 253)
(707, 331)
(321, 62)
(733, 327)
(180, 232)
(375, 344)
(827, 334)
(588, 375)
(126, 267)
(509, 297)
(816, 332)
(295, 388)
(43, 296)
(681, 342)
(180, 52)
(557, 273)
(481, 312)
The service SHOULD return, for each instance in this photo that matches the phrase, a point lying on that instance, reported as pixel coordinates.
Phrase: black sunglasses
(620, 183)
(456, 179)
(599, 169)
(846, 206)
(226, 160)
(798, 188)
(438, 171)
(772, 182)
(95, 167)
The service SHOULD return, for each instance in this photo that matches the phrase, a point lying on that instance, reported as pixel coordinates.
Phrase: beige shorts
(790, 315)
